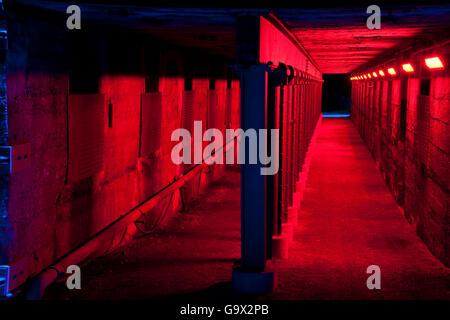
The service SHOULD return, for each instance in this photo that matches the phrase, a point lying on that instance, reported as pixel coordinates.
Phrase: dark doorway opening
(336, 95)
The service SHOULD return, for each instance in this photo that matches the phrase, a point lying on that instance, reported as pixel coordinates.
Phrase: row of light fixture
(431, 63)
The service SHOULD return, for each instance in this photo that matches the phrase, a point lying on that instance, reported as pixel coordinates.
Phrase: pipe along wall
(97, 110)
(403, 117)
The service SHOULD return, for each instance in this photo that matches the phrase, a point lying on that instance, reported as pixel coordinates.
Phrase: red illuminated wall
(51, 210)
(404, 121)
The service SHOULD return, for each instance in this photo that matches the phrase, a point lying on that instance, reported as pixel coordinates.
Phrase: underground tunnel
(179, 153)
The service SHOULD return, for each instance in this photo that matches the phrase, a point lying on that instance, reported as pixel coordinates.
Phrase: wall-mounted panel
(86, 113)
(187, 118)
(187, 111)
(150, 124)
(228, 106)
(423, 109)
(212, 105)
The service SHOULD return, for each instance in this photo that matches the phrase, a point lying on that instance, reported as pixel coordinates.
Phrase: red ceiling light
(407, 67)
(375, 74)
(434, 63)
(365, 77)
(392, 71)
(381, 72)
(370, 77)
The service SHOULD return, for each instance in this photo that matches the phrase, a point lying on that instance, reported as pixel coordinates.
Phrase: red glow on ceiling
(407, 67)
(375, 74)
(434, 63)
(381, 72)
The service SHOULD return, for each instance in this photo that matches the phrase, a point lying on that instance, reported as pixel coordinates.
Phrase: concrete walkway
(350, 221)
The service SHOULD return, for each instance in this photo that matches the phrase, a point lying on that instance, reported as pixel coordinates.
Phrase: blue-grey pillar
(253, 183)
(250, 275)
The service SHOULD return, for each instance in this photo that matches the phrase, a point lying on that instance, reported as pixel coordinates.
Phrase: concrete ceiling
(339, 41)
(337, 38)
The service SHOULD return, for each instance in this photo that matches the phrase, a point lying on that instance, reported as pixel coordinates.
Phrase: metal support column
(250, 276)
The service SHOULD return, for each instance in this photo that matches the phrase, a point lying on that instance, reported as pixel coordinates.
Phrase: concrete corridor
(349, 221)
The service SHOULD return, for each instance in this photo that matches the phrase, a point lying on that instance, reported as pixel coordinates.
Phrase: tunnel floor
(349, 221)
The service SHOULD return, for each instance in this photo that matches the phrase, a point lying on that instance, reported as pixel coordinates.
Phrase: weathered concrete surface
(349, 220)
(48, 213)
(192, 252)
(404, 121)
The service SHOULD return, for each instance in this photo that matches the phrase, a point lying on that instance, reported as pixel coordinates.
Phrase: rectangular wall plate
(18, 273)
(14, 158)
(20, 157)
(87, 124)
(151, 117)
(5, 160)
(4, 281)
